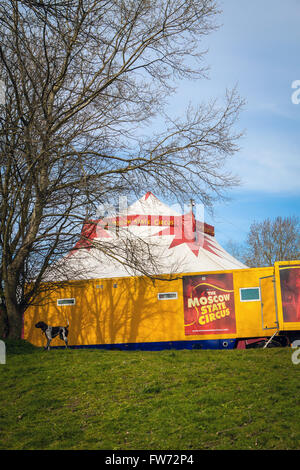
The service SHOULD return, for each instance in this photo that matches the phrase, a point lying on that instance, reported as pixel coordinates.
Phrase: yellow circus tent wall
(127, 310)
(110, 311)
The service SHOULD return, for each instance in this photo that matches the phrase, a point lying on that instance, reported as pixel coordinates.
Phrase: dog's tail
(67, 323)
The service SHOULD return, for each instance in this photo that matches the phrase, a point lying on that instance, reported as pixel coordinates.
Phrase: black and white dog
(52, 331)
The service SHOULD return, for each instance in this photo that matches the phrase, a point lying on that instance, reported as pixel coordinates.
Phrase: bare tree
(82, 77)
(273, 240)
(236, 249)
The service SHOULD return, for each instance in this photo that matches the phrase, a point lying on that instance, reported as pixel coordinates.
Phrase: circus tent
(147, 236)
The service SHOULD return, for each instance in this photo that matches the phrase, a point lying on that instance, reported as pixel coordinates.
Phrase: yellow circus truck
(221, 309)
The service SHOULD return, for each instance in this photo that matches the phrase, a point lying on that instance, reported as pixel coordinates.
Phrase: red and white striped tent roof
(163, 241)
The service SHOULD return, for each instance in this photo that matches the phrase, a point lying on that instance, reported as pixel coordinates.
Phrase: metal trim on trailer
(217, 344)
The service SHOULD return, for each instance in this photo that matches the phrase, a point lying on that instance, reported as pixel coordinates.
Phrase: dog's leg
(63, 337)
(49, 336)
(48, 344)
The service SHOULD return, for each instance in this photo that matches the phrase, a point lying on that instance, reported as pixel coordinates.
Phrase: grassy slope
(89, 399)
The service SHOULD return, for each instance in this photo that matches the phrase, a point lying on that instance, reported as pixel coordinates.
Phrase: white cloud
(269, 170)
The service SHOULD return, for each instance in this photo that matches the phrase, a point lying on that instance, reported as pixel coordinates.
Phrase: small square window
(167, 295)
(250, 294)
(61, 302)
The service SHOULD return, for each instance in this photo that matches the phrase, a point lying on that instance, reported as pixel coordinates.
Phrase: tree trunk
(14, 311)
(3, 322)
(15, 321)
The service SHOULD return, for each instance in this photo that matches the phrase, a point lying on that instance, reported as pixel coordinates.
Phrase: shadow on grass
(20, 346)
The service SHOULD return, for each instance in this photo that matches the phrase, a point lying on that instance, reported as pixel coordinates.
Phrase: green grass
(168, 400)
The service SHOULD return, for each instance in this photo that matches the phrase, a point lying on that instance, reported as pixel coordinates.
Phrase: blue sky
(257, 49)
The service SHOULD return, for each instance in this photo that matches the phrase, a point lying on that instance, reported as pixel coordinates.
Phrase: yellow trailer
(210, 310)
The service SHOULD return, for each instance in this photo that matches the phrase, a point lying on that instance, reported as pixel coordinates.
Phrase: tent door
(269, 312)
